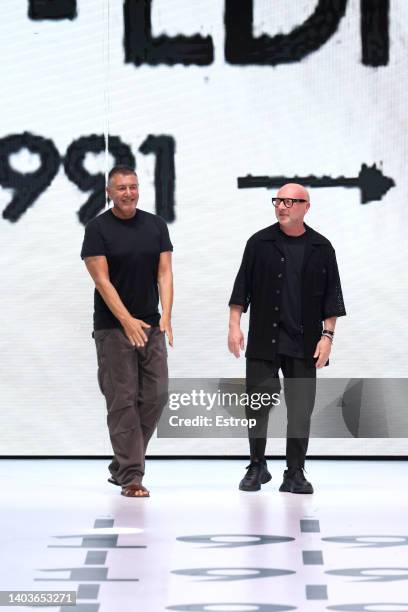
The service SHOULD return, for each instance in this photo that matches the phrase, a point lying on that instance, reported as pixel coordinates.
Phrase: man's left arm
(323, 347)
(165, 283)
(333, 307)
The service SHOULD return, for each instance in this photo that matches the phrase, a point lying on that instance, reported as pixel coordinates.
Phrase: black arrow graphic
(373, 184)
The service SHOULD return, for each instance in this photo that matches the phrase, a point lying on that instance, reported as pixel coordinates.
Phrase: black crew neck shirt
(290, 341)
(132, 248)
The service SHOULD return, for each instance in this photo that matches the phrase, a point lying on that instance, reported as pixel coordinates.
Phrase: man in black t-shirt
(128, 254)
(290, 278)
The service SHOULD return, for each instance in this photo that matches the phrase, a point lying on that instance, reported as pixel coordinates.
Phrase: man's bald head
(293, 205)
(293, 190)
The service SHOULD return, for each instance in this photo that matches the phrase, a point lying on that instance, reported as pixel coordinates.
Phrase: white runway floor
(199, 544)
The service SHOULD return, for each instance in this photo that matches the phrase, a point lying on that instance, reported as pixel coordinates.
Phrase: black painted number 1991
(29, 186)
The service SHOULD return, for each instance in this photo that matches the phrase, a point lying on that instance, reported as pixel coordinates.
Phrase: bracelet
(327, 336)
(328, 331)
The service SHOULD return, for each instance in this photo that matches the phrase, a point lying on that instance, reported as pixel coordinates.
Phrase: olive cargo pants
(134, 381)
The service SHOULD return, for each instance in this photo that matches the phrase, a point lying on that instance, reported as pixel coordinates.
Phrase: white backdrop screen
(200, 95)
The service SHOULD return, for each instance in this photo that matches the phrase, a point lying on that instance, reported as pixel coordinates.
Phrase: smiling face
(291, 219)
(123, 190)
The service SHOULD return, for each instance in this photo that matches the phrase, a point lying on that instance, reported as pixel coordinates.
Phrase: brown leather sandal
(135, 490)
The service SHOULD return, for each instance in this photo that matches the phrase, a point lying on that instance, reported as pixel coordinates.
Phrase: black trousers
(300, 393)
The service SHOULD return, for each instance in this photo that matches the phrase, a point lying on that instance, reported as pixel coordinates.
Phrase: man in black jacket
(290, 278)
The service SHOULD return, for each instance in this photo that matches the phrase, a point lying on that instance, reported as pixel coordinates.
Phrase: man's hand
(235, 340)
(322, 351)
(165, 326)
(133, 329)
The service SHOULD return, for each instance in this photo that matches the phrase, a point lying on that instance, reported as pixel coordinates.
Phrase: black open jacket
(259, 284)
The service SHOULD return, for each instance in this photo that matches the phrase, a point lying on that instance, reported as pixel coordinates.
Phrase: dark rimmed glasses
(288, 202)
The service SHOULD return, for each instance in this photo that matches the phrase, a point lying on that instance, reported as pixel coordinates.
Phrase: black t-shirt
(290, 340)
(132, 248)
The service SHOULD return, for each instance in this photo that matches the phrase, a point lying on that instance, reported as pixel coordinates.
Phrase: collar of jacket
(272, 233)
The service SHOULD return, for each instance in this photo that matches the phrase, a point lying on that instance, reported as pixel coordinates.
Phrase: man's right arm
(235, 336)
(134, 328)
(239, 302)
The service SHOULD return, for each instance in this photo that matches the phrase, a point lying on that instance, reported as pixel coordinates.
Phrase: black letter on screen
(52, 9)
(164, 173)
(142, 48)
(375, 32)
(74, 168)
(30, 185)
(242, 48)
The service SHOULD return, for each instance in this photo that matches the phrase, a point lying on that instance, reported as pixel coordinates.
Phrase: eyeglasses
(288, 202)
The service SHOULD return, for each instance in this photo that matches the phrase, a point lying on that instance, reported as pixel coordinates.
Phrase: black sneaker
(294, 481)
(256, 476)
